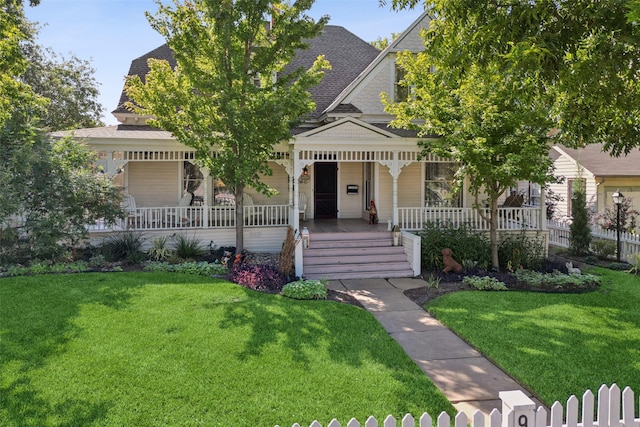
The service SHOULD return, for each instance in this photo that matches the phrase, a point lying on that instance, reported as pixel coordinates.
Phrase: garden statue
(373, 213)
(450, 264)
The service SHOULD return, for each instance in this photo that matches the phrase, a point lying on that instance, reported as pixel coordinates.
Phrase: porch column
(206, 181)
(543, 210)
(295, 221)
(395, 172)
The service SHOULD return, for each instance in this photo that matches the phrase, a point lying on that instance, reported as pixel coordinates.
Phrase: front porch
(175, 218)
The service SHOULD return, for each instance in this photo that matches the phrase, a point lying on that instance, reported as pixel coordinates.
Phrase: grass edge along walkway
(173, 349)
(554, 344)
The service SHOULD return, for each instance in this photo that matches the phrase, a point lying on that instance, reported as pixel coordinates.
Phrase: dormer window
(400, 91)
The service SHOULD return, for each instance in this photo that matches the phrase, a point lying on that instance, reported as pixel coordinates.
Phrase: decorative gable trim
(349, 127)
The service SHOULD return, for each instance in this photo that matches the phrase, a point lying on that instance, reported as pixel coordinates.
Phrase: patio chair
(186, 199)
(256, 214)
(302, 205)
(128, 205)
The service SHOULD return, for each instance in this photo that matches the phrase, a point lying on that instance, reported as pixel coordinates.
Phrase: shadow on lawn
(558, 344)
(36, 324)
(350, 335)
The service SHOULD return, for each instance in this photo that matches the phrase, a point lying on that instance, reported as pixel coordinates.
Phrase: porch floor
(341, 225)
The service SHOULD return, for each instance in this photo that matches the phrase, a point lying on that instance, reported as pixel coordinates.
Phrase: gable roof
(394, 46)
(348, 55)
(600, 163)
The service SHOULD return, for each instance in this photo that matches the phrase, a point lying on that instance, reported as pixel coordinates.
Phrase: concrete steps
(358, 255)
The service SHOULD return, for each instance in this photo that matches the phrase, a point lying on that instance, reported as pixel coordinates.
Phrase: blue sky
(111, 33)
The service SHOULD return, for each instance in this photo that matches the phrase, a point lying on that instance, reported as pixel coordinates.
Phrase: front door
(326, 190)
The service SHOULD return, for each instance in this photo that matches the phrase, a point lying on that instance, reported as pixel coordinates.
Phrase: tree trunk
(493, 234)
(239, 219)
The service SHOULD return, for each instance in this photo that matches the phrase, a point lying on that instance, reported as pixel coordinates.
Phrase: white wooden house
(598, 173)
(341, 157)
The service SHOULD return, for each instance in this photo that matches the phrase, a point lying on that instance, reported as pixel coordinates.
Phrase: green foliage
(159, 251)
(221, 48)
(579, 230)
(467, 244)
(123, 246)
(620, 266)
(486, 114)
(305, 289)
(556, 280)
(521, 251)
(185, 247)
(199, 268)
(569, 46)
(484, 283)
(68, 85)
(433, 282)
(635, 264)
(146, 343)
(603, 248)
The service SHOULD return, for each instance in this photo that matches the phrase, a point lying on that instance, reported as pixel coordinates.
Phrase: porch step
(358, 255)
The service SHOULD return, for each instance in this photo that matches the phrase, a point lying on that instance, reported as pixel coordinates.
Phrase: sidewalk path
(464, 376)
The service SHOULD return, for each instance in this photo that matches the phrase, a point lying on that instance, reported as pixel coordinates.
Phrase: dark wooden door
(326, 190)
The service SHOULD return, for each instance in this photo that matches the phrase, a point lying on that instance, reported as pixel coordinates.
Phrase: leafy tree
(579, 230)
(482, 114)
(587, 54)
(608, 219)
(382, 42)
(68, 84)
(229, 92)
(49, 191)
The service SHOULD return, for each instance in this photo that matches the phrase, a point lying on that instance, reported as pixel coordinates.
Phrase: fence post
(517, 409)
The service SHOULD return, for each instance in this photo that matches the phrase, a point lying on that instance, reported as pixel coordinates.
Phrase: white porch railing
(629, 243)
(192, 217)
(508, 218)
(612, 409)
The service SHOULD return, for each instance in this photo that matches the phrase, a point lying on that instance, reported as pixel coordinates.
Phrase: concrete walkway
(464, 376)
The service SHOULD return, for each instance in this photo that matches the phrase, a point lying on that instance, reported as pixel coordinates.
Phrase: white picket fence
(629, 243)
(612, 409)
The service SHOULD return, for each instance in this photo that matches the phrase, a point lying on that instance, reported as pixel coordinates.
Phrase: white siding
(279, 181)
(350, 205)
(411, 39)
(410, 184)
(567, 168)
(154, 184)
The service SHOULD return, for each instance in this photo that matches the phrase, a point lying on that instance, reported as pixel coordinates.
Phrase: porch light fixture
(617, 198)
(305, 175)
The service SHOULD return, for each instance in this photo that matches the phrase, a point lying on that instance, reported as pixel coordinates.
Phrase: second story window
(400, 91)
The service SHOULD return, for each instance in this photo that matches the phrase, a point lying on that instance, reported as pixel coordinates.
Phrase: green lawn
(154, 349)
(556, 344)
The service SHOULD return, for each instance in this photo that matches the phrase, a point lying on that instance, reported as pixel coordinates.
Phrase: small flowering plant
(305, 289)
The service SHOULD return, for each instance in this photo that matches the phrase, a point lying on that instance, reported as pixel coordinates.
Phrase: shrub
(188, 247)
(159, 251)
(305, 289)
(468, 245)
(521, 251)
(619, 266)
(579, 231)
(556, 280)
(124, 246)
(263, 277)
(603, 248)
(200, 268)
(485, 283)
